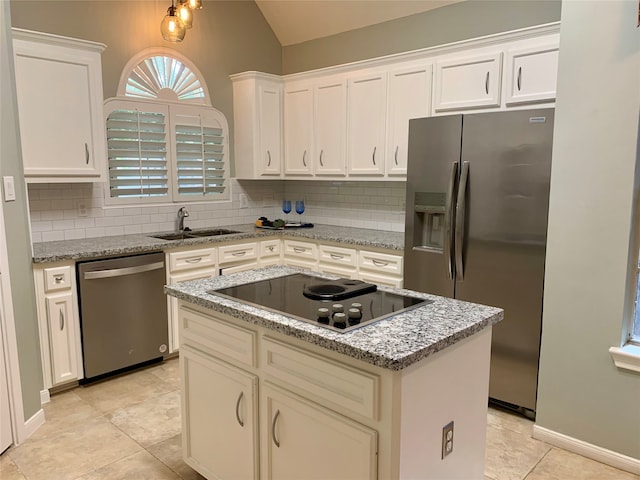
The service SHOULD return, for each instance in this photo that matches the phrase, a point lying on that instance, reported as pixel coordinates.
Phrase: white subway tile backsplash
(54, 208)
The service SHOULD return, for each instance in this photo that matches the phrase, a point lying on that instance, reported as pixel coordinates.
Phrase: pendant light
(195, 4)
(172, 27)
(185, 13)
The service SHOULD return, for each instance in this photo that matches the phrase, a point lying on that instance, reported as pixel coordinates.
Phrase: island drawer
(190, 259)
(323, 379)
(218, 336)
(303, 250)
(345, 257)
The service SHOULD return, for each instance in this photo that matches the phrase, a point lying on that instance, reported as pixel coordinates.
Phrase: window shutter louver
(137, 154)
(200, 157)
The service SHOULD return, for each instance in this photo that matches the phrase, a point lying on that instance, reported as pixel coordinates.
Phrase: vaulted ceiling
(296, 21)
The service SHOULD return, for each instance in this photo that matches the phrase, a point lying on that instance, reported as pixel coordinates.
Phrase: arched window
(165, 142)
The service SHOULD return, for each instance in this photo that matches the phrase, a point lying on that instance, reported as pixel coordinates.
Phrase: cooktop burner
(341, 305)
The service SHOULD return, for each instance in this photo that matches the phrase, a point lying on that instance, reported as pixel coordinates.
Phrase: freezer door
(504, 239)
(432, 176)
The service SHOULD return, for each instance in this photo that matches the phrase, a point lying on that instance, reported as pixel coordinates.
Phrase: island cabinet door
(219, 417)
(304, 440)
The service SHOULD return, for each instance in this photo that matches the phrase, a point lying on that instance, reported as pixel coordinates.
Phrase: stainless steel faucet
(182, 213)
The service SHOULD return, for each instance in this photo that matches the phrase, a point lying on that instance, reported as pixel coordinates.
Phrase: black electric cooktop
(341, 305)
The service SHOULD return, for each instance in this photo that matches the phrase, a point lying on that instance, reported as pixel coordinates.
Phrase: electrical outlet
(267, 199)
(82, 209)
(244, 201)
(447, 439)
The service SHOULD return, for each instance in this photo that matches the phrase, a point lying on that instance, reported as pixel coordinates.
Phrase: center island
(265, 395)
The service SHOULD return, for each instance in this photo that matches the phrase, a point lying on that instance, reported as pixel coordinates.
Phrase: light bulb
(195, 4)
(172, 27)
(186, 14)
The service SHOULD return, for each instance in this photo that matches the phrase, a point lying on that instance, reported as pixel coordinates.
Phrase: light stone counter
(393, 343)
(90, 248)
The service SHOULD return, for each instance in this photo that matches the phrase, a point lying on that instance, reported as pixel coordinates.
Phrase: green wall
(589, 280)
(459, 21)
(17, 232)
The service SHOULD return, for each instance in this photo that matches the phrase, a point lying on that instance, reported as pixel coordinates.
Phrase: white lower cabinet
(300, 254)
(238, 257)
(219, 417)
(338, 260)
(59, 324)
(270, 252)
(381, 268)
(305, 440)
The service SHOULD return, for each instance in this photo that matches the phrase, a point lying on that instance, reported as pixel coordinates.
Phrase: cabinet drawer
(380, 262)
(219, 337)
(321, 378)
(270, 248)
(303, 250)
(344, 257)
(379, 279)
(243, 267)
(237, 253)
(190, 259)
(57, 278)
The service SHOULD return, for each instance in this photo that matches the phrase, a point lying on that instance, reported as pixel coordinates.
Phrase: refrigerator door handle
(448, 220)
(461, 206)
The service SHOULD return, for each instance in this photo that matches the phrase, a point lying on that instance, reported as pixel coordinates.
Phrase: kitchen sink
(195, 234)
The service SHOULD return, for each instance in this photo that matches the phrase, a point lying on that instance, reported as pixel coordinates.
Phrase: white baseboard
(44, 396)
(588, 450)
(31, 425)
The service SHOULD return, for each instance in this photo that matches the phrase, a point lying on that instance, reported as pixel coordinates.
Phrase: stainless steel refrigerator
(476, 227)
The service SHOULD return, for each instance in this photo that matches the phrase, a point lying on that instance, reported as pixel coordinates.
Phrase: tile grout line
(537, 463)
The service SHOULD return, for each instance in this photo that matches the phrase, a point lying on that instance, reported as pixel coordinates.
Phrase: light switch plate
(9, 189)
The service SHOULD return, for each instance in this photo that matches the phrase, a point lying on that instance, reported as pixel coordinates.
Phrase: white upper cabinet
(367, 107)
(59, 95)
(257, 107)
(330, 127)
(298, 129)
(531, 74)
(409, 97)
(469, 81)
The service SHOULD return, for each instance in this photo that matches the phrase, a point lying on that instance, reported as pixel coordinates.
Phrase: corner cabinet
(59, 96)
(257, 122)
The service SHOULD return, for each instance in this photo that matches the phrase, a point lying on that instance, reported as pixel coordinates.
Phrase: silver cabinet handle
(239, 254)
(379, 263)
(59, 278)
(238, 409)
(486, 84)
(61, 320)
(273, 429)
(268, 158)
(395, 156)
(321, 153)
(373, 157)
(298, 250)
(335, 256)
(460, 218)
(119, 272)
(86, 152)
(193, 260)
(449, 215)
(519, 78)
(304, 158)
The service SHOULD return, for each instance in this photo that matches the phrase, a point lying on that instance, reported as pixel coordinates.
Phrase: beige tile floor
(129, 428)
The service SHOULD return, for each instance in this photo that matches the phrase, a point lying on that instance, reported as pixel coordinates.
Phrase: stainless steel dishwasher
(123, 312)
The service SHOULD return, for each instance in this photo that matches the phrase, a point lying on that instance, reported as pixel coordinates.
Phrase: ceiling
(296, 21)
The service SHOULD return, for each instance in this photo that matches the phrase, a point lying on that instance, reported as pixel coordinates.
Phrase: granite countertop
(393, 343)
(89, 248)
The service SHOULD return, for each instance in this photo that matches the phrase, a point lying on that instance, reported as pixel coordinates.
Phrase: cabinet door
(62, 337)
(409, 97)
(304, 440)
(298, 125)
(59, 95)
(219, 417)
(270, 130)
(330, 123)
(367, 122)
(532, 75)
(468, 82)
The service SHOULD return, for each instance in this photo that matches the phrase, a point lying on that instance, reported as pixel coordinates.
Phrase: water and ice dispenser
(429, 221)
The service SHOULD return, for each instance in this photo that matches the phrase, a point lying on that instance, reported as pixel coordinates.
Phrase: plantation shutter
(200, 151)
(137, 151)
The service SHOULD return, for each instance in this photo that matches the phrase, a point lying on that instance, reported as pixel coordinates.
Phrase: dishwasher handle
(120, 272)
